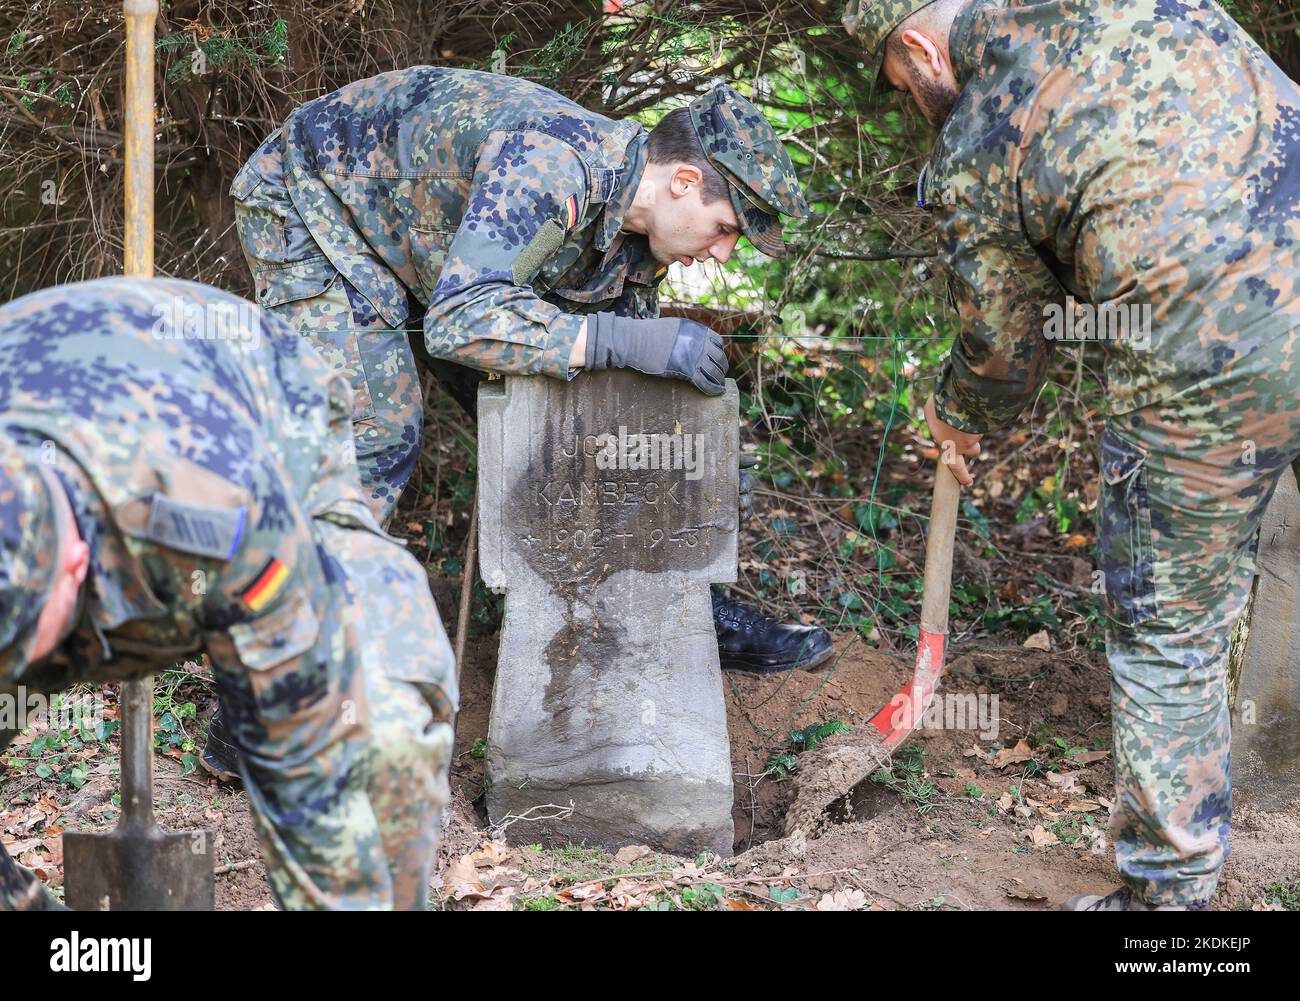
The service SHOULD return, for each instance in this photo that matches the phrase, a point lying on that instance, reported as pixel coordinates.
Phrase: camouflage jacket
(195, 436)
(1125, 153)
(494, 202)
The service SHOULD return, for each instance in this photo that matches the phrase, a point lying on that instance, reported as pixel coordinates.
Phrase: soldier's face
(915, 65)
(682, 228)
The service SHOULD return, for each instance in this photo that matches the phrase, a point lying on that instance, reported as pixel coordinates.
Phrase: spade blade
(138, 866)
(138, 870)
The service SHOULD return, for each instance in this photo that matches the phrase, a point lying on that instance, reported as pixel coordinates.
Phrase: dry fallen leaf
(463, 879)
(583, 895)
(1088, 757)
(1041, 640)
(38, 864)
(1013, 755)
(48, 807)
(493, 853)
(16, 848)
(53, 843)
(843, 900)
(1042, 837)
(502, 899)
(629, 894)
(631, 853)
(1005, 801)
(1083, 806)
(1066, 782)
(740, 904)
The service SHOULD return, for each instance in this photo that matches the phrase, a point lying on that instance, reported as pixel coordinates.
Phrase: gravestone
(607, 506)
(1266, 709)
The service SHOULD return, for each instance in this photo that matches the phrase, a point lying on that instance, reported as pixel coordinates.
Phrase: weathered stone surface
(1266, 713)
(608, 693)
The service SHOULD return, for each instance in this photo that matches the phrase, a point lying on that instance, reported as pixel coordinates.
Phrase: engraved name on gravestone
(607, 508)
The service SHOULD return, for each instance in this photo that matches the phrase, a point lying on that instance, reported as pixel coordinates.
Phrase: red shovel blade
(904, 711)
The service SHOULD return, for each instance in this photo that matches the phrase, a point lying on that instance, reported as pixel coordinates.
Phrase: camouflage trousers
(296, 281)
(1184, 488)
(348, 789)
(388, 406)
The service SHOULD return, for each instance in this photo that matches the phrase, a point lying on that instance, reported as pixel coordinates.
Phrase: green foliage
(170, 716)
(703, 897)
(783, 760)
(64, 754)
(1286, 894)
(906, 776)
(224, 50)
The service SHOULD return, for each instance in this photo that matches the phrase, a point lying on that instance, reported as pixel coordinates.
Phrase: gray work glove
(673, 348)
(748, 460)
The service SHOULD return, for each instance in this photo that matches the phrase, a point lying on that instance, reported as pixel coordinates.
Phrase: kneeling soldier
(177, 476)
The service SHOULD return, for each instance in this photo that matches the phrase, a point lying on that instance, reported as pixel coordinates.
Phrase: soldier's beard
(934, 98)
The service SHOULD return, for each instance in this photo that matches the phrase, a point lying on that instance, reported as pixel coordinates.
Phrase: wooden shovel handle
(137, 695)
(139, 132)
(938, 551)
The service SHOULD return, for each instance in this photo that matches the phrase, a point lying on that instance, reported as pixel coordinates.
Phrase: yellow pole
(139, 132)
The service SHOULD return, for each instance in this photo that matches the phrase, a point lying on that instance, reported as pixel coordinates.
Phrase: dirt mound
(762, 712)
(830, 772)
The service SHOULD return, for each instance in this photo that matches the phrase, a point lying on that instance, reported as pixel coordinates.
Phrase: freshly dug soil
(829, 772)
(983, 834)
(763, 711)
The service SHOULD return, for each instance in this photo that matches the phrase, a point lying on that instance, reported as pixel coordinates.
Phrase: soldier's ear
(924, 49)
(685, 179)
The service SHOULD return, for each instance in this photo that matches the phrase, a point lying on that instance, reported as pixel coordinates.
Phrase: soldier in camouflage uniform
(1140, 158)
(512, 220)
(520, 234)
(177, 477)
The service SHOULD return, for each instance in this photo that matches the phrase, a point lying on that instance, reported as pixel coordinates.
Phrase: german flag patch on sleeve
(569, 212)
(266, 585)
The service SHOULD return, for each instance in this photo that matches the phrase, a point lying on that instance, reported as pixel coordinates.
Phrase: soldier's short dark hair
(673, 140)
(937, 17)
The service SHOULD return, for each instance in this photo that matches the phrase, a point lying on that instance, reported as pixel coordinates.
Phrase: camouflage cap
(873, 21)
(29, 547)
(742, 145)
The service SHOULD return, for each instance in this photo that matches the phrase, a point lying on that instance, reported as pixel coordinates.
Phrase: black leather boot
(220, 757)
(750, 641)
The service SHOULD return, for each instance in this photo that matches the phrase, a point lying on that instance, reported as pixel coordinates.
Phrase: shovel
(138, 866)
(833, 769)
(900, 717)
